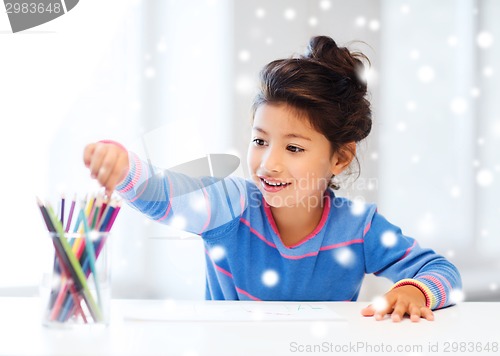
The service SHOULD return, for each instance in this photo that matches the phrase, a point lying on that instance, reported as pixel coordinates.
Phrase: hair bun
(324, 50)
(321, 47)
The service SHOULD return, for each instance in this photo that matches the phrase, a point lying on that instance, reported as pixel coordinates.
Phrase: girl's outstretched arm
(196, 204)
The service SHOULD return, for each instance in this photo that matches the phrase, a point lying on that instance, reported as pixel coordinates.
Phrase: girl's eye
(294, 149)
(258, 142)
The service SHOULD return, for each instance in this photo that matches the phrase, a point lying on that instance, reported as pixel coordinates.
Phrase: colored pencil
(70, 217)
(62, 209)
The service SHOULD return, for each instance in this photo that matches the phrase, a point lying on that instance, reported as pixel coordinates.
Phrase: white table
(468, 326)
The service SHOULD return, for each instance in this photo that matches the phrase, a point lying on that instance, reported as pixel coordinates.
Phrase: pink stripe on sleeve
(367, 228)
(408, 250)
(169, 207)
(439, 286)
(137, 175)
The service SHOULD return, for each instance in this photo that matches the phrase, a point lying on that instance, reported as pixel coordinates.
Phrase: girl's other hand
(107, 162)
(400, 301)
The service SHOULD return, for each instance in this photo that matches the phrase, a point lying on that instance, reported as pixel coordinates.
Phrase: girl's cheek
(252, 159)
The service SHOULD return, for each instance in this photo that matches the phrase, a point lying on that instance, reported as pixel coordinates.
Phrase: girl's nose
(272, 161)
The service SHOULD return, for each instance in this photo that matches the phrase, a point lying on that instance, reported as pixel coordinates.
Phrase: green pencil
(89, 246)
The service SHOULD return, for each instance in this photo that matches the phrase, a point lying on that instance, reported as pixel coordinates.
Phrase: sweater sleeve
(400, 258)
(193, 204)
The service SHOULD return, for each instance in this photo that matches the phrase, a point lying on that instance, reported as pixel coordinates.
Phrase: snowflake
(260, 13)
(484, 177)
(360, 21)
(414, 54)
(496, 128)
(244, 85)
(379, 303)
(452, 41)
(374, 25)
(344, 256)
(358, 207)
(325, 5)
(411, 105)
(161, 47)
(389, 239)
(488, 71)
(217, 253)
(290, 14)
(150, 72)
(455, 191)
(484, 39)
(426, 74)
(169, 305)
(457, 296)
(270, 278)
(198, 203)
(94, 235)
(319, 329)
(401, 126)
(313, 22)
(458, 105)
(475, 92)
(179, 222)
(244, 55)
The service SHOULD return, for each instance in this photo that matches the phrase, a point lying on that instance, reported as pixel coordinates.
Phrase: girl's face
(290, 162)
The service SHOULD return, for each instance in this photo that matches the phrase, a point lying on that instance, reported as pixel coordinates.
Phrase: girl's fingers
(106, 170)
(97, 159)
(118, 172)
(427, 313)
(368, 311)
(87, 154)
(386, 306)
(415, 313)
(398, 312)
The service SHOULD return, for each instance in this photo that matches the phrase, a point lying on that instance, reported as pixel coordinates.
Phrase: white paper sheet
(233, 311)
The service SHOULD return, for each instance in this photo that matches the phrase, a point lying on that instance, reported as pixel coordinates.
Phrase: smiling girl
(284, 234)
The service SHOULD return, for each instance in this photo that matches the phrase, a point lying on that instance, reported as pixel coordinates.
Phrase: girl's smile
(273, 185)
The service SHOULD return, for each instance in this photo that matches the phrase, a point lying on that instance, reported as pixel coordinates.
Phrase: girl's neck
(296, 223)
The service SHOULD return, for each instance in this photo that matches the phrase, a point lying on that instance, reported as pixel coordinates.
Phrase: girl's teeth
(277, 184)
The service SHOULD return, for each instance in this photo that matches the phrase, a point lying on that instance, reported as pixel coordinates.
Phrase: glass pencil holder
(78, 291)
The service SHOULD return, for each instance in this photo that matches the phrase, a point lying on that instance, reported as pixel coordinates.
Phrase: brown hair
(326, 85)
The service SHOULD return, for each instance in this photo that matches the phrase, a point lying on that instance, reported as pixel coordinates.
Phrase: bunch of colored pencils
(76, 256)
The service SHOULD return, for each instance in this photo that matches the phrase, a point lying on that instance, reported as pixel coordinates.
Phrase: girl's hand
(400, 301)
(107, 162)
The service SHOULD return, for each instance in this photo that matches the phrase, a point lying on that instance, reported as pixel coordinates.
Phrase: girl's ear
(343, 158)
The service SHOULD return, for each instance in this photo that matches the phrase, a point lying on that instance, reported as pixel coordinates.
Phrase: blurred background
(174, 81)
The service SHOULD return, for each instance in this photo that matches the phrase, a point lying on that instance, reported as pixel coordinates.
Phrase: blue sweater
(246, 259)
